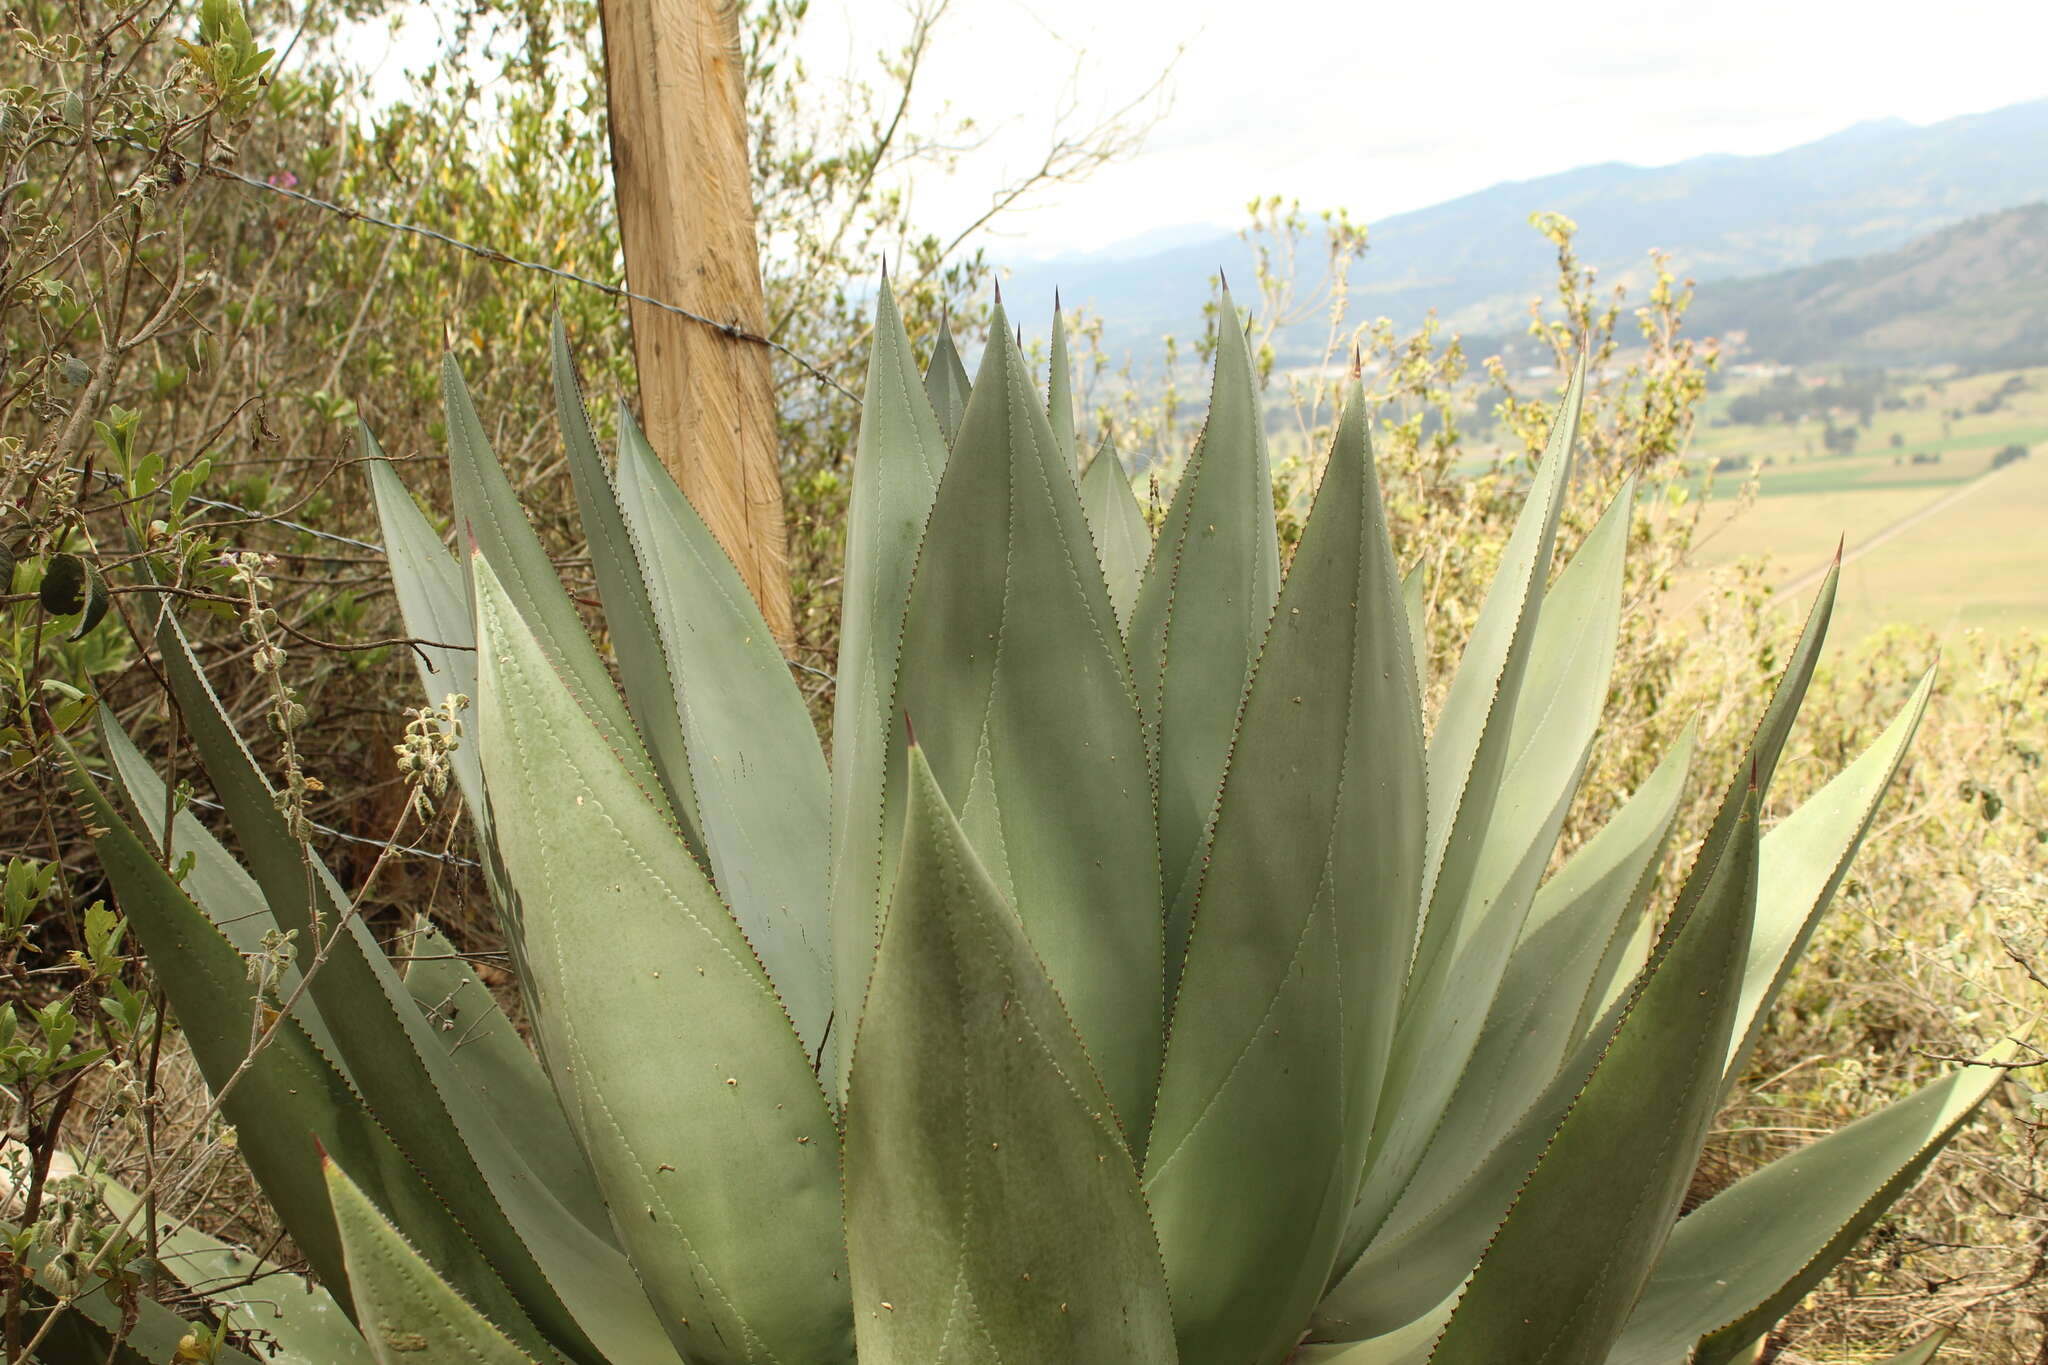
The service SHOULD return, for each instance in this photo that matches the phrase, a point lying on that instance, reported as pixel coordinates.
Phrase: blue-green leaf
(489, 514)
(1744, 1259)
(409, 1314)
(1059, 388)
(945, 380)
(568, 1279)
(300, 1323)
(623, 582)
(1304, 916)
(1202, 611)
(1805, 858)
(1122, 540)
(694, 1098)
(763, 795)
(1014, 672)
(993, 1213)
(1530, 1064)
(896, 467)
(287, 1094)
(1565, 1269)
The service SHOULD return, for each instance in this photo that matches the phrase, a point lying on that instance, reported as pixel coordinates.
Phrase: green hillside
(1975, 294)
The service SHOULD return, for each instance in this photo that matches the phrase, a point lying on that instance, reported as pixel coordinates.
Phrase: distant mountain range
(1974, 294)
(1865, 192)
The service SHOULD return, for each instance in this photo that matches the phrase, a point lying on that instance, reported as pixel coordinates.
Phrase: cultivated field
(1945, 543)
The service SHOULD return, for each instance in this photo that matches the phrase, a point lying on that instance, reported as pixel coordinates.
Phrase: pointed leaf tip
(909, 731)
(1840, 540)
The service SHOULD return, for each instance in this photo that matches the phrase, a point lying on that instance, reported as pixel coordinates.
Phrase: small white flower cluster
(432, 733)
(259, 628)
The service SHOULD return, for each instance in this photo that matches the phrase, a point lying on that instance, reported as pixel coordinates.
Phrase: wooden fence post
(686, 216)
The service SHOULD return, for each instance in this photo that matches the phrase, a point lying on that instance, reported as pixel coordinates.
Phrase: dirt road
(1897, 528)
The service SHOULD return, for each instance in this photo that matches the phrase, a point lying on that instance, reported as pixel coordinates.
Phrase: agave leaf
(567, 1278)
(217, 883)
(510, 1087)
(1761, 759)
(1117, 523)
(410, 1315)
(763, 795)
(1533, 752)
(433, 600)
(1567, 1265)
(662, 1028)
(992, 1209)
(301, 1323)
(1202, 611)
(1389, 1290)
(288, 1093)
(1409, 1344)
(896, 467)
(1596, 898)
(1805, 858)
(1305, 913)
(1470, 748)
(1059, 406)
(623, 579)
(86, 1328)
(1531, 1062)
(945, 380)
(431, 593)
(1745, 1258)
(1414, 593)
(1627, 954)
(489, 514)
(1014, 673)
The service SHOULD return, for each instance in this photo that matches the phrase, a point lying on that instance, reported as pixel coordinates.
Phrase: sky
(1378, 108)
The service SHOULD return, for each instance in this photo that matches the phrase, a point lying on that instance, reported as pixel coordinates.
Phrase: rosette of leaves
(1169, 995)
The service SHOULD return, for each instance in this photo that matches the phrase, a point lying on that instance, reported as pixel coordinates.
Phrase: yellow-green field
(1946, 543)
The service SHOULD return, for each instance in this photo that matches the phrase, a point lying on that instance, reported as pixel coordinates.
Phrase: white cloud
(1379, 108)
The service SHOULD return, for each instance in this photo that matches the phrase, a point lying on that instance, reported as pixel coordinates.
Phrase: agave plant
(1167, 995)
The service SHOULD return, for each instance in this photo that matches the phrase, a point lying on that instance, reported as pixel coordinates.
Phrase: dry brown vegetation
(241, 331)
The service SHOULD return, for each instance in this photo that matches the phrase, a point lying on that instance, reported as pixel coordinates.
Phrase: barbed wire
(731, 330)
(410, 850)
(288, 524)
(249, 514)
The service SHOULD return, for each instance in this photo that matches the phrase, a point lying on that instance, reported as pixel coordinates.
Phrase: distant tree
(2009, 454)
